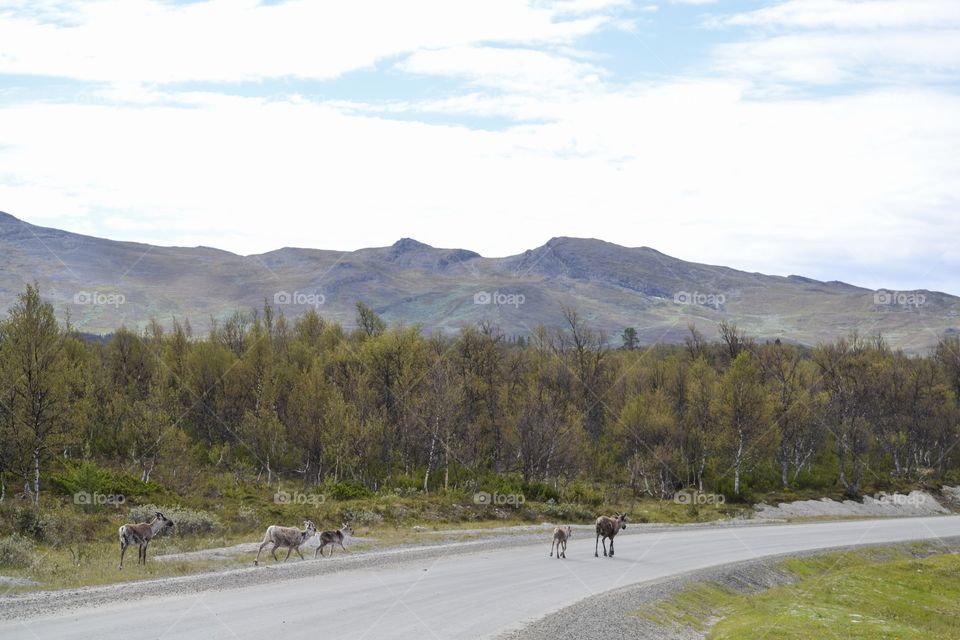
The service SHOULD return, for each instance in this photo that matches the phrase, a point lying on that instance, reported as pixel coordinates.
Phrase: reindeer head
(167, 522)
(309, 527)
(622, 520)
(346, 530)
(569, 531)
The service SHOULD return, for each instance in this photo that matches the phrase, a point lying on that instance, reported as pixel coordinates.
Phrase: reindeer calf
(331, 538)
(289, 537)
(141, 535)
(608, 528)
(560, 537)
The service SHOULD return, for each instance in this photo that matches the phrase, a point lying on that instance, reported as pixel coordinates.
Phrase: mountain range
(104, 284)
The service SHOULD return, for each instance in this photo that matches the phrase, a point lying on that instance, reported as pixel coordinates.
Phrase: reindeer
(560, 537)
(331, 538)
(289, 537)
(608, 528)
(141, 534)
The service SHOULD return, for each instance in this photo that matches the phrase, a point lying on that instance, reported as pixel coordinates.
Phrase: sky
(810, 137)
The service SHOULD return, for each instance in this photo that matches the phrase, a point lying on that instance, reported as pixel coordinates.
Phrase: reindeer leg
(256, 561)
(564, 550)
(318, 550)
(611, 547)
(604, 541)
(289, 550)
(596, 545)
(145, 554)
(300, 554)
(552, 542)
(123, 550)
(343, 547)
(273, 551)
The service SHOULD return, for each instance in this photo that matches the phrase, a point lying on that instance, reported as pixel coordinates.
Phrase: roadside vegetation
(873, 593)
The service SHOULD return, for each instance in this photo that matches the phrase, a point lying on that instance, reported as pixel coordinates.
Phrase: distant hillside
(103, 284)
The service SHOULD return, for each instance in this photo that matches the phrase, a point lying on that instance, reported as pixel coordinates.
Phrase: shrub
(348, 490)
(540, 492)
(247, 516)
(568, 512)
(362, 517)
(16, 551)
(27, 522)
(87, 477)
(582, 493)
(186, 521)
(504, 484)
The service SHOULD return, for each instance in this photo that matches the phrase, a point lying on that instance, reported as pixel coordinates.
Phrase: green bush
(348, 490)
(16, 551)
(584, 494)
(86, 477)
(504, 484)
(186, 521)
(540, 492)
(27, 522)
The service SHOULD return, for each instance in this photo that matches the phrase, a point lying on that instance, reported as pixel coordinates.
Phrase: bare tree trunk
(736, 466)
(36, 476)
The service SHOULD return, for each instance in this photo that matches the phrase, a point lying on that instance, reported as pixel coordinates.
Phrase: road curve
(455, 595)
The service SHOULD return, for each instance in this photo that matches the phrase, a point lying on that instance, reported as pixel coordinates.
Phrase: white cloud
(237, 40)
(518, 70)
(693, 2)
(853, 14)
(845, 41)
(832, 58)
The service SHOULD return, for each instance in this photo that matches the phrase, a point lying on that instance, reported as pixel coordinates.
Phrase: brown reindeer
(331, 538)
(560, 537)
(141, 535)
(289, 537)
(608, 528)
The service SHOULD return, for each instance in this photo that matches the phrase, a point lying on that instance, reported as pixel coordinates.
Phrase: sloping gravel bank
(915, 503)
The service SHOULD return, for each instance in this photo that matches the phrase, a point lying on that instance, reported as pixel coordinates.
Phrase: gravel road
(449, 590)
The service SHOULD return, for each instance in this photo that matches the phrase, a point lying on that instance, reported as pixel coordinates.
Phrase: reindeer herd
(291, 538)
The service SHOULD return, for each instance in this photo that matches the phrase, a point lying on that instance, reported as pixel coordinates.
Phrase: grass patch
(888, 592)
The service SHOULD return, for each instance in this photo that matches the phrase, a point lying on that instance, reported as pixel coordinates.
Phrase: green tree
(744, 415)
(41, 376)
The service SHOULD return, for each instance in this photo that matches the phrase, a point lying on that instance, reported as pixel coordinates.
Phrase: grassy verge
(874, 593)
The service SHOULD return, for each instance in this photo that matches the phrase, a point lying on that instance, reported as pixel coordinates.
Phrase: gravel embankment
(916, 503)
(608, 616)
